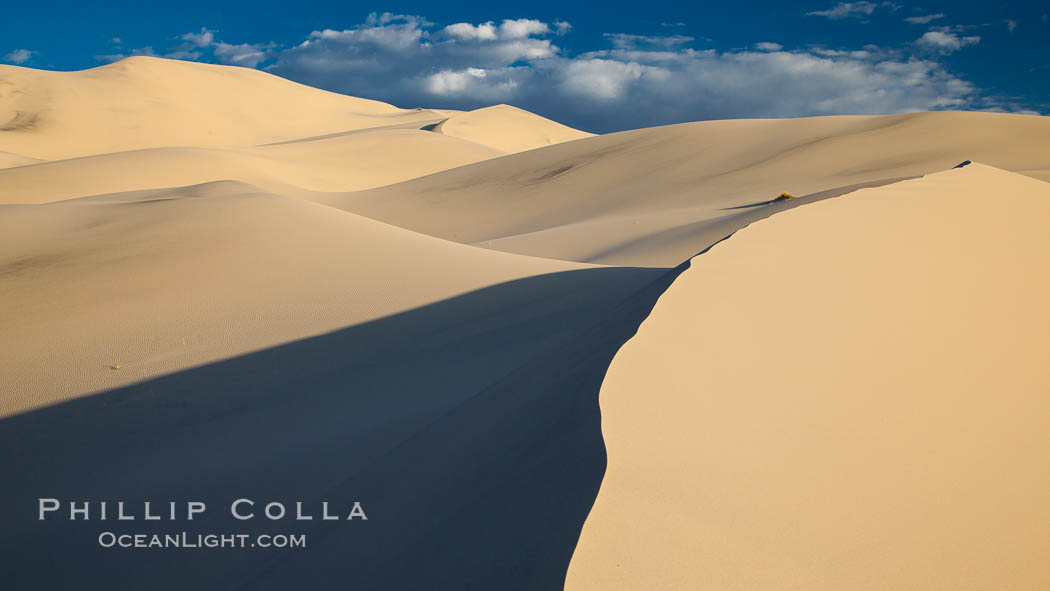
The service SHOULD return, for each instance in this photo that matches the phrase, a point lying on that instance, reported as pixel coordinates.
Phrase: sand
(848, 395)
(218, 283)
(508, 129)
(640, 197)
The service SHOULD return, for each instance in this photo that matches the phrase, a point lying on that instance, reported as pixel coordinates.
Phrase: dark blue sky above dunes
(600, 67)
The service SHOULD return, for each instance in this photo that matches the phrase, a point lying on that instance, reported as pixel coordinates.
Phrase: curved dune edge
(508, 129)
(848, 395)
(646, 197)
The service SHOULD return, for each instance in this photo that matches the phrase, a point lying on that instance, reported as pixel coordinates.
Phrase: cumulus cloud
(19, 56)
(631, 81)
(946, 42)
(924, 19)
(203, 45)
(244, 54)
(202, 39)
(469, 65)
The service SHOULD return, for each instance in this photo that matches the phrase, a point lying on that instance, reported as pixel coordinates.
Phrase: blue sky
(600, 67)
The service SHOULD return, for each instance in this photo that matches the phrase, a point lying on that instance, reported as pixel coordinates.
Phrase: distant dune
(508, 129)
(655, 196)
(842, 396)
(145, 102)
(342, 162)
(215, 282)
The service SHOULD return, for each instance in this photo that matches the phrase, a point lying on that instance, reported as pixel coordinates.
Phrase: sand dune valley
(537, 358)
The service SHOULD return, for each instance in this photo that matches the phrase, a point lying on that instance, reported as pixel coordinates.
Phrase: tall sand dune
(639, 197)
(146, 102)
(508, 129)
(848, 395)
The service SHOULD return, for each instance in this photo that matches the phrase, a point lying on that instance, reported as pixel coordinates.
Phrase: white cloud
(467, 31)
(19, 56)
(946, 42)
(245, 54)
(847, 10)
(635, 81)
(924, 19)
(522, 28)
(468, 65)
(202, 39)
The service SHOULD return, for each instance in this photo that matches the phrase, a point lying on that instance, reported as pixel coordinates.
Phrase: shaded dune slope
(460, 425)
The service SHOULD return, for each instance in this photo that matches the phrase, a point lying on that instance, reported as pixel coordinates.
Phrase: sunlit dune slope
(342, 162)
(636, 197)
(145, 102)
(849, 395)
(508, 129)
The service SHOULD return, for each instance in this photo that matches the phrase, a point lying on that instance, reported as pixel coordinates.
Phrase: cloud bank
(634, 81)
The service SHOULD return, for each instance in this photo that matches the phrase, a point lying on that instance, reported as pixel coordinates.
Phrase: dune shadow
(750, 205)
(469, 430)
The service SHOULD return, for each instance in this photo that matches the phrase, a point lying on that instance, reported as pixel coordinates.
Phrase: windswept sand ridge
(849, 395)
(508, 129)
(146, 102)
(344, 162)
(609, 199)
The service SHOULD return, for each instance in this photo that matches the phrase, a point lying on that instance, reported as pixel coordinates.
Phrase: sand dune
(616, 198)
(344, 162)
(149, 123)
(175, 278)
(145, 102)
(849, 395)
(508, 129)
(218, 283)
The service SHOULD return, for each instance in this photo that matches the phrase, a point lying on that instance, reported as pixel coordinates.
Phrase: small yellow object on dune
(116, 366)
(785, 196)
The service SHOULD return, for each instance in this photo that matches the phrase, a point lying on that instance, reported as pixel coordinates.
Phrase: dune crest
(148, 102)
(508, 129)
(658, 196)
(842, 396)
